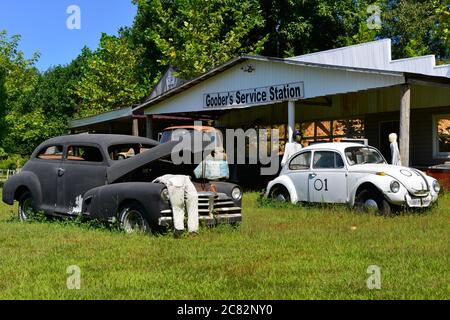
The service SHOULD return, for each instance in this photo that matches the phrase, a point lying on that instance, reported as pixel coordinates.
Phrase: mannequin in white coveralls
(395, 152)
(182, 195)
(292, 147)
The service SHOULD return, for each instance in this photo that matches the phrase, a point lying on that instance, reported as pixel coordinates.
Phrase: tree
(195, 35)
(441, 31)
(111, 77)
(18, 79)
(298, 27)
(55, 95)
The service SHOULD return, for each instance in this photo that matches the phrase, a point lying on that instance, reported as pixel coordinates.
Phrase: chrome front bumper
(207, 220)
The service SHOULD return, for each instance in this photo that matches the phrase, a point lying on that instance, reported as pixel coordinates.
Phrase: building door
(386, 128)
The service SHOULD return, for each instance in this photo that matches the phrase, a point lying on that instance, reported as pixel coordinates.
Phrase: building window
(331, 130)
(441, 136)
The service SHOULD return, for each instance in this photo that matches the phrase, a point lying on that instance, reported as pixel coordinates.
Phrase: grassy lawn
(285, 252)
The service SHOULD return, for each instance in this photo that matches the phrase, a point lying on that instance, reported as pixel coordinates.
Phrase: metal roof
(242, 58)
(102, 117)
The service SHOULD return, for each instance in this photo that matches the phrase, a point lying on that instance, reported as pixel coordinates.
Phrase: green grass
(281, 252)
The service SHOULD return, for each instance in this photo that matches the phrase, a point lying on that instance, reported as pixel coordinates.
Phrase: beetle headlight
(395, 186)
(436, 186)
(236, 193)
(165, 195)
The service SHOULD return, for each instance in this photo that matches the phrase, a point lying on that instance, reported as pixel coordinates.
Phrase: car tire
(132, 218)
(280, 193)
(372, 199)
(26, 204)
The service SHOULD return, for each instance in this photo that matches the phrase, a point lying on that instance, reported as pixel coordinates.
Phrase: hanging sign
(247, 97)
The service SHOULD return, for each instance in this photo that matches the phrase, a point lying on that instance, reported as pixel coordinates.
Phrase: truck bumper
(209, 220)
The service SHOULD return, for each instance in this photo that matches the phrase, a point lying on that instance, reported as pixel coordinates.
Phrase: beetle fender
(378, 182)
(286, 182)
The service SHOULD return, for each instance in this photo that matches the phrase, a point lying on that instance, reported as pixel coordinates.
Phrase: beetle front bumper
(411, 201)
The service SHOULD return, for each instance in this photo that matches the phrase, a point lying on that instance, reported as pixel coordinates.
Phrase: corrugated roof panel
(376, 55)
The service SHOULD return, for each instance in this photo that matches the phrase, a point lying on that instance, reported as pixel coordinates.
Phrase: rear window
(125, 151)
(51, 153)
(84, 153)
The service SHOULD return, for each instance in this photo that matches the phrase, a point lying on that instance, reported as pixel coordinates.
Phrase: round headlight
(436, 186)
(395, 186)
(165, 195)
(236, 193)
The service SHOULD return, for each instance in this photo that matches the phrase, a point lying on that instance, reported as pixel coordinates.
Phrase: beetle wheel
(132, 219)
(280, 194)
(368, 200)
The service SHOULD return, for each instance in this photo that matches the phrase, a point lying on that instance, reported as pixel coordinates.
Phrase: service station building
(351, 92)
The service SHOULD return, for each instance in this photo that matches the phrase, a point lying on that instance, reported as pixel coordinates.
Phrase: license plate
(414, 203)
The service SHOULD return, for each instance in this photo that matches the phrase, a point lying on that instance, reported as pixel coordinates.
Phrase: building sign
(246, 97)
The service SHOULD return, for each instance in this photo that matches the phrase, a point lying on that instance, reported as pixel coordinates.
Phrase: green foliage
(12, 162)
(300, 27)
(111, 77)
(196, 35)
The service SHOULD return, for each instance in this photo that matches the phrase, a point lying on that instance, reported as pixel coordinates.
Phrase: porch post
(291, 120)
(135, 130)
(405, 111)
(149, 127)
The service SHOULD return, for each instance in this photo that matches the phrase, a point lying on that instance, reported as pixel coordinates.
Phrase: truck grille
(215, 203)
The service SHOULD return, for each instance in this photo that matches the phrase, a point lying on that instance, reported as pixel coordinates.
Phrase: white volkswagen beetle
(354, 174)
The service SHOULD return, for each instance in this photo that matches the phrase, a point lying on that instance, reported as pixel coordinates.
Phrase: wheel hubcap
(371, 204)
(133, 222)
(25, 209)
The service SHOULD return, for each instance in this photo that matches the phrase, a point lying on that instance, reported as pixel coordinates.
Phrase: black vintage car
(86, 175)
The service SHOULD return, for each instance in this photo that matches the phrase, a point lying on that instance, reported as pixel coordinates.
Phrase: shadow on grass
(113, 227)
(397, 211)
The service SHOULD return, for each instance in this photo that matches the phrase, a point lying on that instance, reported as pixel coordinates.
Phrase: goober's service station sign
(254, 96)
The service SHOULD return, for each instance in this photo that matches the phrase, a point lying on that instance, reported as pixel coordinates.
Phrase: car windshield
(125, 151)
(363, 155)
(214, 136)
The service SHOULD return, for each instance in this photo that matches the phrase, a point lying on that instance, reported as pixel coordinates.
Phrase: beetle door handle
(61, 172)
(312, 175)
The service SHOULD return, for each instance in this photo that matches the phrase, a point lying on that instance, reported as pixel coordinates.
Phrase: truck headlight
(395, 186)
(236, 193)
(436, 186)
(165, 195)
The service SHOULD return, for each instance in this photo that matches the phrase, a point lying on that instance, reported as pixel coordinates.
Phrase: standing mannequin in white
(292, 147)
(395, 152)
(182, 195)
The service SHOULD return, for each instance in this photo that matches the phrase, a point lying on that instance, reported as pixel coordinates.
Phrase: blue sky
(42, 25)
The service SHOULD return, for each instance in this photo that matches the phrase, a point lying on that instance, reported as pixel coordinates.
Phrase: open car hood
(122, 167)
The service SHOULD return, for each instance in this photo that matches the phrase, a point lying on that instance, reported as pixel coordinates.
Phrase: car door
(299, 170)
(83, 168)
(328, 178)
(45, 166)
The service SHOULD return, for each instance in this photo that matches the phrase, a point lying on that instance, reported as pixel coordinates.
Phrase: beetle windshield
(363, 155)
